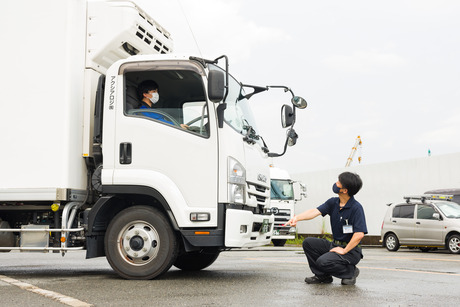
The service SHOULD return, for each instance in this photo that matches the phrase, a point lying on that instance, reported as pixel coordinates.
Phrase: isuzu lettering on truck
(86, 165)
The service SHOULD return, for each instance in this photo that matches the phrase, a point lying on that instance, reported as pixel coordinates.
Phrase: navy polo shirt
(352, 213)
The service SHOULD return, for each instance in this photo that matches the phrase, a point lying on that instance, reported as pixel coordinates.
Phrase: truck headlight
(236, 182)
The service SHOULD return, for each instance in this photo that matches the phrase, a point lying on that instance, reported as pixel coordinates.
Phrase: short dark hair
(351, 181)
(146, 86)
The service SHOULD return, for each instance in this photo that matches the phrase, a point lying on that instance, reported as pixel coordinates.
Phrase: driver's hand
(184, 126)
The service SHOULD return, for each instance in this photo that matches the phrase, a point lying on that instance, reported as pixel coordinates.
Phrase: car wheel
(453, 244)
(391, 242)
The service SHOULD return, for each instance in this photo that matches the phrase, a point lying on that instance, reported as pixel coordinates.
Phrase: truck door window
(182, 102)
(196, 117)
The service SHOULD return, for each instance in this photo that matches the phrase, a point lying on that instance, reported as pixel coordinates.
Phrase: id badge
(347, 228)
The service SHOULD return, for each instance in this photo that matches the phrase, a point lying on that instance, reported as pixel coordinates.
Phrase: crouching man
(348, 223)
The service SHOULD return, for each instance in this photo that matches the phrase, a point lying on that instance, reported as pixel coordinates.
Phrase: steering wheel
(164, 114)
(195, 120)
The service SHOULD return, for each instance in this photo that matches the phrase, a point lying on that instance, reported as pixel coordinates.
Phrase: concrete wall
(382, 184)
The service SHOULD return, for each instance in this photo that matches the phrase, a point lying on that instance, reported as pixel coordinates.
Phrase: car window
(425, 212)
(404, 211)
(449, 209)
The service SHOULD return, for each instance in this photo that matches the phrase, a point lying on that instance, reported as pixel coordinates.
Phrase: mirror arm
(257, 89)
(286, 89)
(274, 154)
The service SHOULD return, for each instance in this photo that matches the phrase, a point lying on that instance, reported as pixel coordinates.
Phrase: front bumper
(246, 229)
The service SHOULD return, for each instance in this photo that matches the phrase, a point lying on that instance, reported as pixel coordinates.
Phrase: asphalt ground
(267, 276)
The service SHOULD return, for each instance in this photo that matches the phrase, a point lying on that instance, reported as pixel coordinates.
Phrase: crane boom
(358, 144)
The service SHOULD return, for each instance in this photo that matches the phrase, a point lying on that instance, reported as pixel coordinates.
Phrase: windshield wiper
(252, 135)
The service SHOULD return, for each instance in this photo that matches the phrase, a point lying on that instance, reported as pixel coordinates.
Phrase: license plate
(265, 226)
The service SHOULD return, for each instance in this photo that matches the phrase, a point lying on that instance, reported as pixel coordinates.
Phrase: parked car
(427, 221)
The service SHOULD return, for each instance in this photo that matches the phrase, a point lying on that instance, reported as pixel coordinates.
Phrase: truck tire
(196, 261)
(140, 243)
(6, 238)
(279, 242)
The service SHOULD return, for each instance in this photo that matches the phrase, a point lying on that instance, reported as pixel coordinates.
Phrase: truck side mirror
(287, 116)
(292, 137)
(216, 85)
(436, 216)
(300, 190)
(299, 102)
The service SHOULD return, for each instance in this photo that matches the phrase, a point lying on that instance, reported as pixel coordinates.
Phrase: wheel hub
(136, 243)
(139, 243)
(454, 244)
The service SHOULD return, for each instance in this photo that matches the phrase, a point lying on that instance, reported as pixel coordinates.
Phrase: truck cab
(284, 194)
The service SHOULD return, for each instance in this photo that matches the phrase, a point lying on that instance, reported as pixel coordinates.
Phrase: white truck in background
(284, 194)
(83, 168)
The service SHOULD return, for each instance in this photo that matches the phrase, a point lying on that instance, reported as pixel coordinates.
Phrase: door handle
(125, 153)
(418, 223)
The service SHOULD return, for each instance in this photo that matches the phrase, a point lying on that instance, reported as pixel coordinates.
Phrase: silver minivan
(428, 222)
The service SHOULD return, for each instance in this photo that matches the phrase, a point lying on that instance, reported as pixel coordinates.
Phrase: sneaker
(324, 279)
(351, 281)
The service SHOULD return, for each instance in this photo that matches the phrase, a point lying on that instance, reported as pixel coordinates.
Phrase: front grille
(281, 219)
(259, 193)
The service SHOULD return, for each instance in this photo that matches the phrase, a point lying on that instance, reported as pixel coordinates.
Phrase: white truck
(284, 194)
(83, 168)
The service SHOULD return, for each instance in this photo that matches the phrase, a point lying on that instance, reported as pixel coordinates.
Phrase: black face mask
(335, 189)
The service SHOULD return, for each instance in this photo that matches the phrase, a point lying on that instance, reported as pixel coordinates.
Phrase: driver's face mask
(155, 97)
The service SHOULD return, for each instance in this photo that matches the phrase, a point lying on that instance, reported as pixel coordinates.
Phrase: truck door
(171, 147)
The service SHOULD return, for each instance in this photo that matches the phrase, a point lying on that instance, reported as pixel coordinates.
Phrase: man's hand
(292, 222)
(339, 250)
(307, 215)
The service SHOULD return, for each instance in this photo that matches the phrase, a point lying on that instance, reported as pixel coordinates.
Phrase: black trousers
(322, 262)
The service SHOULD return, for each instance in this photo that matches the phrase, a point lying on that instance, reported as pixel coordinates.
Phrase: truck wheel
(140, 243)
(391, 242)
(6, 238)
(196, 261)
(279, 242)
(453, 244)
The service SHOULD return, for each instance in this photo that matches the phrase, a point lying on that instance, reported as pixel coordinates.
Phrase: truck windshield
(238, 113)
(449, 209)
(281, 190)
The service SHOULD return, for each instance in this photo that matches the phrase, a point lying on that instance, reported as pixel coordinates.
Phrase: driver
(148, 91)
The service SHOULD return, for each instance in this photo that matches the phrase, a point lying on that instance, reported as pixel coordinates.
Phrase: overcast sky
(388, 71)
